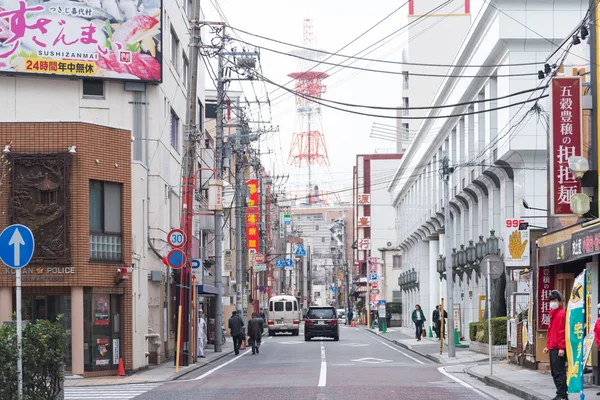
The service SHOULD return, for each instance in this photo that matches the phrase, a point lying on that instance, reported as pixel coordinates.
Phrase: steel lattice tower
(308, 146)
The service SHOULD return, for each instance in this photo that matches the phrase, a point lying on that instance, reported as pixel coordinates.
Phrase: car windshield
(324, 313)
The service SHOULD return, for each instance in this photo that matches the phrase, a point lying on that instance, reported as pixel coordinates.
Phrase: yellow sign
(577, 293)
(60, 67)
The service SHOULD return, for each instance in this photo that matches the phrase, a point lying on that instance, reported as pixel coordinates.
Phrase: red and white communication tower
(308, 146)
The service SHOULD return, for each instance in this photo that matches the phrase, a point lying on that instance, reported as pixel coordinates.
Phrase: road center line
(323, 374)
(463, 383)
(400, 351)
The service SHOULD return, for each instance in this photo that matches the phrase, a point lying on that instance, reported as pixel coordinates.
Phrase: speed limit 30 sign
(176, 238)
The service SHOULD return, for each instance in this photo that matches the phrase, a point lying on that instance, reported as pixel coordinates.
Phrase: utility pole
(187, 198)
(446, 171)
(219, 213)
(238, 218)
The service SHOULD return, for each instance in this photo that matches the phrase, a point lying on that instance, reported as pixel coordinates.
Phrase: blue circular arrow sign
(16, 246)
(176, 258)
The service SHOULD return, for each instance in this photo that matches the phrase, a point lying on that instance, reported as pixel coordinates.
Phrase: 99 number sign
(514, 223)
(176, 238)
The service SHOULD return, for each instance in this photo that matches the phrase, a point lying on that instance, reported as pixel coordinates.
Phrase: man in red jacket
(556, 344)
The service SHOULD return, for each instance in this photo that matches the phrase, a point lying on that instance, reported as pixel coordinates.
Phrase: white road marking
(116, 392)
(323, 374)
(465, 384)
(371, 360)
(208, 373)
(401, 352)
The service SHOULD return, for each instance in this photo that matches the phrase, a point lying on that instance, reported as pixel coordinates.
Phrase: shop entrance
(564, 284)
(102, 331)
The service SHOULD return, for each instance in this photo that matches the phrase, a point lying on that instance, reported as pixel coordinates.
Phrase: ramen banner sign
(114, 39)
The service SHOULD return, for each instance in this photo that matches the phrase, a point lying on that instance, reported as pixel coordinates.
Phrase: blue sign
(176, 258)
(196, 262)
(279, 263)
(372, 277)
(333, 289)
(16, 246)
(300, 250)
(261, 288)
(381, 302)
(289, 262)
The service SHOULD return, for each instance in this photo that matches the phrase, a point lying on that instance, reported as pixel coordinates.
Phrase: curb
(404, 346)
(504, 385)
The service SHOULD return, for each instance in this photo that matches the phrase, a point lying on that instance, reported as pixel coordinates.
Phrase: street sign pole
(489, 295)
(19, 337)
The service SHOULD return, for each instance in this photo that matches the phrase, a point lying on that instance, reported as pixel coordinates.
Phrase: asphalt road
(359, 366)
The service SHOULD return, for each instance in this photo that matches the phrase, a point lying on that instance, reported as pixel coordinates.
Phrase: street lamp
(454, 258)
(492, 243)
(462, 256)
(480, 249)
(580, 204)
(579, 165)
(471, 258)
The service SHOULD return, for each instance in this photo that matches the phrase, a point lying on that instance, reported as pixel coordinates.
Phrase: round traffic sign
(176, 258)
(176, 238)
(259, 258)
(495, 265)
(261, 288)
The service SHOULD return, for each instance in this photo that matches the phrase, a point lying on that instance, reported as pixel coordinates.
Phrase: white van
(284, 315)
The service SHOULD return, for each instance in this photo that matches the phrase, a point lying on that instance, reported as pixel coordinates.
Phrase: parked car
(321, 322)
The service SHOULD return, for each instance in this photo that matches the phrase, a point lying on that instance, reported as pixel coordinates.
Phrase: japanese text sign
(252, 239)
(364, 199)
(364, 222)
(544, 287)
(566, 141)
(91, 39)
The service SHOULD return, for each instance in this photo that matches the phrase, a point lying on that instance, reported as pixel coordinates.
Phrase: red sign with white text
(565, 142)
(252, 239)
(545, 285)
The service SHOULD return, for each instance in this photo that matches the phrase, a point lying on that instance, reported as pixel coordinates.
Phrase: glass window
(405, 105)
(295, 306)
(279, 306)
(288, 306)
(105, 220)
(93, 87)
(174, 50)
(323, 313)
(185, 70)
(174, 130)
(271, 306)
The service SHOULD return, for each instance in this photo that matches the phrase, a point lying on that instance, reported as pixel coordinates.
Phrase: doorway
(564, 284)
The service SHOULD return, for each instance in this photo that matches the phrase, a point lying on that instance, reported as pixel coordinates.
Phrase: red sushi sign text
(82, 38)
(565, 142)
(252, 239)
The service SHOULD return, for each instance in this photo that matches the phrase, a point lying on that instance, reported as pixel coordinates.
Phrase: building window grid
(174, 50)
(105, 229)
(174, 130)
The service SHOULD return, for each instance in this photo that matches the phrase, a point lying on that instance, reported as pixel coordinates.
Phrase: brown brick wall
(103, 153)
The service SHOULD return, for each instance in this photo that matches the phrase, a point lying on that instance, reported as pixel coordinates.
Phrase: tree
(43, 365)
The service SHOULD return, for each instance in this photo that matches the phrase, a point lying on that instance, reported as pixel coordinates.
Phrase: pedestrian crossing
(115, 392)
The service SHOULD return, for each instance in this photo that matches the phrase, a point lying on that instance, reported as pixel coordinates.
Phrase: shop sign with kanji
(565, 142)
(544, 287)
(88, 39)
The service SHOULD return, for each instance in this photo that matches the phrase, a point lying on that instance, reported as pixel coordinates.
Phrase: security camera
(72, 149)
(6, 149)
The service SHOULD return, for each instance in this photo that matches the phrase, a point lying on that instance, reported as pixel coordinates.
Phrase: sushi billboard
(112, 39)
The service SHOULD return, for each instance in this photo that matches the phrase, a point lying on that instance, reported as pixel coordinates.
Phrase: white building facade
(495, 142)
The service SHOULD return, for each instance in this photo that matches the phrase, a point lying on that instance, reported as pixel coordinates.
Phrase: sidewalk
(525, 383)
(156, 373)
(428, 347)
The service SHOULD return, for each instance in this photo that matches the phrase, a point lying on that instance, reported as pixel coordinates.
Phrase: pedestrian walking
(388, 318)
(419, 319)
(201, 334)
(435, 318)
(350, 316)
(255, 331)
(556, 344)
(236, 329)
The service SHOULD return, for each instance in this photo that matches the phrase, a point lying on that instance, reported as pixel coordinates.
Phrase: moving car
(284, 315)
(341, 315)
(321, 322)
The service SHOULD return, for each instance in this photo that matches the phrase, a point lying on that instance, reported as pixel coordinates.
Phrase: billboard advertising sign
(103, 39)
(566, 142)
(252, 215)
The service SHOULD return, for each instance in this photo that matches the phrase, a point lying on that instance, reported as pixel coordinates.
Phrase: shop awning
(207, 289)
(570, 244)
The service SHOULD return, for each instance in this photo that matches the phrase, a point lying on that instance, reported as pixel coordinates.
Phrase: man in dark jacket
(435, 318)
(236, 327)
(255, 331)
(556, 344)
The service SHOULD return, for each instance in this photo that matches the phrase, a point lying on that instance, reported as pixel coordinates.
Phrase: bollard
(456, 341)
(384, 328)
(372, 324)
(430, 333)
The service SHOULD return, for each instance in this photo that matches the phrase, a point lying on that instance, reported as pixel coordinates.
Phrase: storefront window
(102, 331)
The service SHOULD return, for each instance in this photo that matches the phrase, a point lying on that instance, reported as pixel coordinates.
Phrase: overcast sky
(335, 24)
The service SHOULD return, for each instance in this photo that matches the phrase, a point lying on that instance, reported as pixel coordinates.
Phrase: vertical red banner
(545, 285)
(411, 7)
(252, 239)
(566, 139)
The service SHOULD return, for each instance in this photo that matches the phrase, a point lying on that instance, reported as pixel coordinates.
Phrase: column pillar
(434, 282)
(77, 323)
(6, 306)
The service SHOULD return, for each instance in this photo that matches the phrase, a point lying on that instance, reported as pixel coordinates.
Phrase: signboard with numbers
(87, 39)
(545, 286)
(565, 141)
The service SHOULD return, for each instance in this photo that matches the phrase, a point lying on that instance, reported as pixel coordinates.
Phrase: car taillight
(296, 322)
(308, 322)
(270, 322)
(333, 322)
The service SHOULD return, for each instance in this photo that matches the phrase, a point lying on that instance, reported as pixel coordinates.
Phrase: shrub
(43, 352)
(394, 307)
(478, 331)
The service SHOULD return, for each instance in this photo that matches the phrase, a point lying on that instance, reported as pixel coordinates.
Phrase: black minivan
(321, 322)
